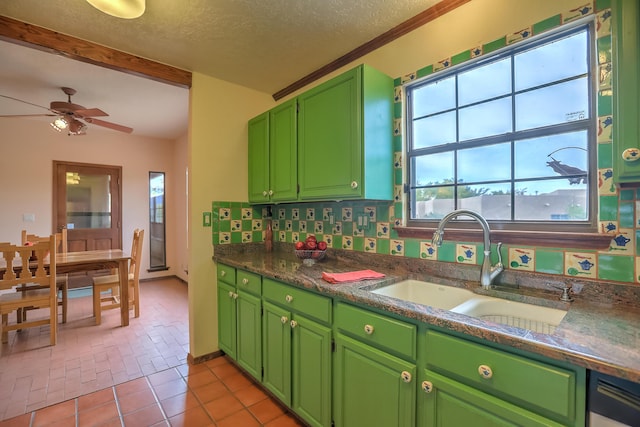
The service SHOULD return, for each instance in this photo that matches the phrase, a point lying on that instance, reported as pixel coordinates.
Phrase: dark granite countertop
(601, 330)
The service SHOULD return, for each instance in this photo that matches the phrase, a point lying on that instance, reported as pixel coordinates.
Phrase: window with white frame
(510, 136)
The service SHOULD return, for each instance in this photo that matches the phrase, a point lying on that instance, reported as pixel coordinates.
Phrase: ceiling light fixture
(127, 9)
(76, 127)
(60, 123)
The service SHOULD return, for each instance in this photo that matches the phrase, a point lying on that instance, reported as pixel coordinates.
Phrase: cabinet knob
(406, 376)
(485, 371)
(223, 273)
(245, 281)
(264, 193)
(271, 192)
(368, 329)
(631, 154)
(427, 386)
(288, 298)
(230, 294)
(354, 185)
(293, 324)
(284, 319)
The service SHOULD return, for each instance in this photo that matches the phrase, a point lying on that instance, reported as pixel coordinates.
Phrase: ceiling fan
(70, 116)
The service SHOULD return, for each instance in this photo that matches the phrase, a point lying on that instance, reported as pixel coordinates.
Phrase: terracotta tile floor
(135, 376)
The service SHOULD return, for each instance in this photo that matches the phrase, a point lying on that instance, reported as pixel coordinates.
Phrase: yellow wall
(218, 142)
(217, 171)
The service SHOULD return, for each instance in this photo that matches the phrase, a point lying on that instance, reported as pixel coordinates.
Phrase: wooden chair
(111, 283)
(30, 273)
(62, 281)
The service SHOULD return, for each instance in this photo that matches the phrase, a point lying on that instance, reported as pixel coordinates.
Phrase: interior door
(87, 202)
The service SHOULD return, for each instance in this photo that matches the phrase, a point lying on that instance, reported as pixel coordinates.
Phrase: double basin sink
(457, 300)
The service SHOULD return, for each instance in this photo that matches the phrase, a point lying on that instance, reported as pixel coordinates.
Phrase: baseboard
(195, 360)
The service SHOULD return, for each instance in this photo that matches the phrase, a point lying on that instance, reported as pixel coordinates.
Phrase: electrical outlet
(28, 217)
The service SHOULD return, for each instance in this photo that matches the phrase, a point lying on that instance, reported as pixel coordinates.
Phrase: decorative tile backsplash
(367, 226)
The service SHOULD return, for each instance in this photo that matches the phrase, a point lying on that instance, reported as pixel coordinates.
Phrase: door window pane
(88, 201)
(157, 243)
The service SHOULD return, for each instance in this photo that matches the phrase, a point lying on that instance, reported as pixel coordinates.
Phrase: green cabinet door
(227, 319)
(372, 388)
(259, 158)
(273, 158)
(443, 402)
(311, 357)
(345, 147)
(626, 85)
(276, 358)
(283, 152)
(249, 339)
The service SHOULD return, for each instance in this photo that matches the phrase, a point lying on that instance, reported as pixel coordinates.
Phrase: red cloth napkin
(351, 276)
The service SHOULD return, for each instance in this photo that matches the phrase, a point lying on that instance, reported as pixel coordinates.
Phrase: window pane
(485, 82)
(486, 119)
(433, 169)
(551, 200)
(491, 201)
(434, 130)
(539, 65)
(433, 203)
(563, 154)
(488, 163)
(561, 103)
(88, 200)
(434, 97)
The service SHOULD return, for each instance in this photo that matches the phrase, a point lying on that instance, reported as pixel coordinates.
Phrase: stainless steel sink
(426, 293)
(462, 301)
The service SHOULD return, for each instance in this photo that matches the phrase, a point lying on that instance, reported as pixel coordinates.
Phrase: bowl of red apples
(311, 250)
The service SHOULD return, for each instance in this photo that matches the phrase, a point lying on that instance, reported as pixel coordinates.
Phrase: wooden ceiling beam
(406, 27)
(29, 35)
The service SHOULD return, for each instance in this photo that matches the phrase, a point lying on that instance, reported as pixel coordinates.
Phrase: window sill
(595, 241)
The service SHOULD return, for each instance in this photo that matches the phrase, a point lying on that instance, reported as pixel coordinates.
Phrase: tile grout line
(117, 402)
(155, 396)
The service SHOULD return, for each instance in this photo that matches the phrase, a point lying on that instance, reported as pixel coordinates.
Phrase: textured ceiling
(264, 45)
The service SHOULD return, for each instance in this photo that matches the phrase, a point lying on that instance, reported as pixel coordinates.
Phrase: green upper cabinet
(626, 105)
(345, 147)
(259, 159)
(273, 155)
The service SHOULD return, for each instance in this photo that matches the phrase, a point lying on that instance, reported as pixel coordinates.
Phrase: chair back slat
(61, 239)
(19, 259)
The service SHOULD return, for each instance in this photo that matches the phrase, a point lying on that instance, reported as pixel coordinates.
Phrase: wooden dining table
(72, 262)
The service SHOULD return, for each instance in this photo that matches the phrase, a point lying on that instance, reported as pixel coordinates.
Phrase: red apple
(311, 245)
(322, 246)
(311, 238)
(300, 246)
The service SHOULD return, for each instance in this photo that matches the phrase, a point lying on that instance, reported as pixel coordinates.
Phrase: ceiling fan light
(127, 9)
(60, 123)
(76, 127)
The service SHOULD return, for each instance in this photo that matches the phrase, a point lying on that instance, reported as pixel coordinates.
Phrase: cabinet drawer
(540, 387)
(298, 300)
(227, 274)
(394, 336)
(249, 282)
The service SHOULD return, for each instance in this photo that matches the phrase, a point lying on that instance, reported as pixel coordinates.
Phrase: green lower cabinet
(311, 371)
(297, 363)
(249, 334)
(276, 351)
(227, 322)
(443, 402)
(371, 387)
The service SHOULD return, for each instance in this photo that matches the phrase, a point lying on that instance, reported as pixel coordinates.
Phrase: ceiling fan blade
(90, 112)
(27, 115)
(109, 125)
(24, 102)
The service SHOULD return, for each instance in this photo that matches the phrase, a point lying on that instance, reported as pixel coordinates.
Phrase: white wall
(27, 150)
